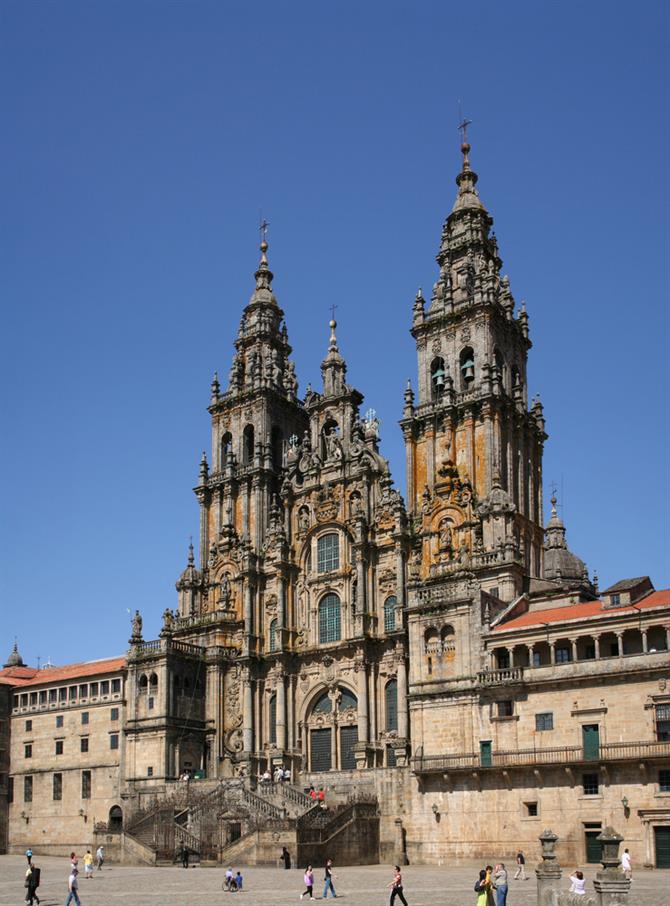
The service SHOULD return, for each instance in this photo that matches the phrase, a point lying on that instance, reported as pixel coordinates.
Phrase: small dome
(14, 659)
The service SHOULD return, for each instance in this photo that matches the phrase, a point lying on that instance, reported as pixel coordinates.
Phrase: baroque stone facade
(447, 657)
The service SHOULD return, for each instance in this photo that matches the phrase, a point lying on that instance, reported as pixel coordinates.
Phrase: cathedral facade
(446, 656)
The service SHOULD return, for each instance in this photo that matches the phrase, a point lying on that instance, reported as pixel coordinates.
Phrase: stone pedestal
(401, 749)
(400, 853)
(362, 754)
(611, 885)
(548, 871)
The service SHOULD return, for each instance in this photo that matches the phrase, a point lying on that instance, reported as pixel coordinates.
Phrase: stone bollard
(400, 851)
(612, 886)
(548, 871)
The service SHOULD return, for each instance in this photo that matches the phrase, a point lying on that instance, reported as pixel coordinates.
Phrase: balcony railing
(565, 755)
(500, 677)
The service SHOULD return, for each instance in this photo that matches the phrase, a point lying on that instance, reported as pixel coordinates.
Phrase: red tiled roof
(570, 612)
(75, 671)
(17, 676)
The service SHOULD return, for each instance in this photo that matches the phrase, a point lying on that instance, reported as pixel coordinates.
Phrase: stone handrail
(503, 675)
(618, 751)
(259, 805)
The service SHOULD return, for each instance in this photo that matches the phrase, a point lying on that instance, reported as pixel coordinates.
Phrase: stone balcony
(638, 751)
(500, 677)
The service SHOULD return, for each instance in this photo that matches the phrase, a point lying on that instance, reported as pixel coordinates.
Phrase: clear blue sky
(140, 141)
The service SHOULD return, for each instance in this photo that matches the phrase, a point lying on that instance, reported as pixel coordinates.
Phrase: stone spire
(560, 564)
(333, 367)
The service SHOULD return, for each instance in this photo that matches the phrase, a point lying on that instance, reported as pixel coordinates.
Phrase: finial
(191, 558)
(553, 505)
(215, 387)
(463, 129)
(332, 344)
(204, 466)
(263, 229)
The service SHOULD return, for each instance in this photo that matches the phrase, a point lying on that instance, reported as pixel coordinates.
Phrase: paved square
(356, 886)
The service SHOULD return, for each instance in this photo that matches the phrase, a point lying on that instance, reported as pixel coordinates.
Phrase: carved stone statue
(168, 620)
(137, 627)
(226, 591)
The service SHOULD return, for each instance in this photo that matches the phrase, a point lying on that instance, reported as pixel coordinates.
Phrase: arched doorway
(115, 823)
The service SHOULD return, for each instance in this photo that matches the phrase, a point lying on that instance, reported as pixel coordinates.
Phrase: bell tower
(473, 446)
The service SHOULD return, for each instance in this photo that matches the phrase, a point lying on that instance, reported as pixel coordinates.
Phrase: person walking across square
(328, 878)
(309, 883)
(520, 874)
(396, 887)
(73, 889)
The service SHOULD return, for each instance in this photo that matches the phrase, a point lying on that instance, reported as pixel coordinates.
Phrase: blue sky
(140, 142)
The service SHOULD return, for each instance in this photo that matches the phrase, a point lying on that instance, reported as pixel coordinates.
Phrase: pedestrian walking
(184, 856)
(328, 878)
(100, 856)
(396, 887)
(309, 883)
(501, 885)
(73, 889)
(286, 858)
(520, 874)
(627, 865)
(88, 864)
(229, 879)
(29, 855)
(32, 882)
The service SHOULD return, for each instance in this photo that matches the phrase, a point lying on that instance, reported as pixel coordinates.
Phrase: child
(238, 880)
(309, 883)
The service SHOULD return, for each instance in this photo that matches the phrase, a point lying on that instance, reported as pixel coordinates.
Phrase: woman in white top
(578, 884)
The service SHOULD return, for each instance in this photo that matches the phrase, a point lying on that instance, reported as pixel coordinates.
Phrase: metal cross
(463, 129)
(332, 312)
(263, 228)
(554, 488)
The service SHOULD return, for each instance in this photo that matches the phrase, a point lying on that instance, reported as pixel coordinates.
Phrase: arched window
(328, 552)
(347, 700)
(144, 683)
(329, 619)
(153, 682)
(273, 636)
(467, 363)
(437, 376)
(226, 449)
(391, 701)
(324, 705)
(389, 613)
(277, 444)
(272, 719)
(248, 445)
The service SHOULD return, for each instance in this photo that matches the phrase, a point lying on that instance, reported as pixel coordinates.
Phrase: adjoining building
(444, 667)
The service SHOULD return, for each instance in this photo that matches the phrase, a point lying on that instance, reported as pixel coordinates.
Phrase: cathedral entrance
(333, 731)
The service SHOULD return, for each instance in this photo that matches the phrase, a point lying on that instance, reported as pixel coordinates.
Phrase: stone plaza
(117, 885)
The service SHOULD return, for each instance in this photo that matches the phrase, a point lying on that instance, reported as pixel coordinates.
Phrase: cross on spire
(333, 308)
(263, 230)
(463, 129)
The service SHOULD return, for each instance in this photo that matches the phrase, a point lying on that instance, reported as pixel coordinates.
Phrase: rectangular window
(29, 726)
(104, 687)
(390, 757)
(59, 721)
(506, 709)
(53, 696)
(83, 744)
(348, 740)
(43, 697)
(94, 690)
(530, 809)
(114, 714)
(664, 780)
(24, 700)
(27, 789)
(114, 741)
(328, 553)
(85, 784)
(62, 694)
(150, 703)
(72, 693)
(84, 717)
(58, 787)
(563, 655)
(150, 771)
(10, 790)
(83, 691)
(116, 685)
(663, 722)
(590, 784)
(321, 752)
(544, 721)
(28, 750)
(59, 747)
(33, 698)
(616, 600)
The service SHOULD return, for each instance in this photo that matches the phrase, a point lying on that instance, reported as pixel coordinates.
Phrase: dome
(14, 659)
(560, 564)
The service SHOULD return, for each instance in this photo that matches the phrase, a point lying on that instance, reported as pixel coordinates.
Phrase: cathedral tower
(473, 447)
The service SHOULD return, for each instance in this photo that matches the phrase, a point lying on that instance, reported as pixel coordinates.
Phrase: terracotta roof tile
(575, 612)
(17, 676)
(75, 671)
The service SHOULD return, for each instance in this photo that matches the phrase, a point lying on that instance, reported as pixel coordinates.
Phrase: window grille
(329, 619)
(328, 552)
(392, 705)
(389, 613)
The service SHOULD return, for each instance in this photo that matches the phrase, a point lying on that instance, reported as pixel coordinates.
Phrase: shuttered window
(272, 719)
(348, 739)
(320, 744)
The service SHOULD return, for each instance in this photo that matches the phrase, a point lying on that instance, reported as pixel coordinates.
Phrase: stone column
(552, 653)
(247, 713)
(612, 886)
(645, 645)
(573, 646)
(548, 871)
(510, 657)
(596, 645)
(400, 851)
(362, 602)
(400, 577)
(281, 713)
(248, 607)
(403, 715)
(362, 671)
(619, 644)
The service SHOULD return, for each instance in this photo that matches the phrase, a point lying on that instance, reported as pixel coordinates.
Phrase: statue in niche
(303, 519)
(226, 591)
